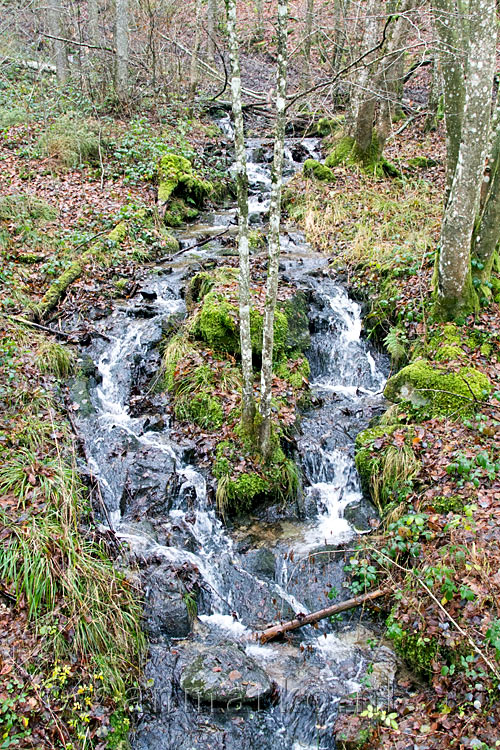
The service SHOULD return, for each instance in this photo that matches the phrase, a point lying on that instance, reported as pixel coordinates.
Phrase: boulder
(224, 674)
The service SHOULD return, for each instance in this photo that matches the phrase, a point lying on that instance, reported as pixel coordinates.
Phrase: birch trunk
(211, 26)
(487, 229)
(448, 25)
(274, 232)
(55, 13)
(121, 41)
(455, 292)
(308, 41)
(248, 401)
(193, 78)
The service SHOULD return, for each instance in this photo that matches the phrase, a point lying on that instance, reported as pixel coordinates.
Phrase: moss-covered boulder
(444, 392)
(318, 171)
(180, 189)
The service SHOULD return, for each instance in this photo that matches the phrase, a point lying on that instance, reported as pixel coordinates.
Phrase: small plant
(396, 343)
(189, 599)
(405, 535)
(381, 716)
(73, 140)
(476, 469)
(364, 574)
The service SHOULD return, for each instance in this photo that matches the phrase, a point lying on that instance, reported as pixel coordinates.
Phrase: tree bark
(487, 228)
(448, 26)
(122, 44)
(248, 401)
(55, 23)
(193, 77)
(276, 630)
(455, 293)
(212, 11)
(94, 34)
(260, 19)
(308, 41)
(274, 232)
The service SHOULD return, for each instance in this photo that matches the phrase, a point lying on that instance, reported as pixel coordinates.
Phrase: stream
(277, 562)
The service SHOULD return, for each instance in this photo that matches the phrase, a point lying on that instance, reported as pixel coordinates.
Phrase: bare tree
(274, 231)
(193, 76)
(248, 401)
(55, 13)
(122, 47)
(468, 118)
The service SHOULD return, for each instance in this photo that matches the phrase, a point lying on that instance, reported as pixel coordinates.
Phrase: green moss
(445, 393)
(345, 151)
(276, 479)
(298, 336)
(171, 243)
(217, 323)
(198, 287)
(256, 240)
(318, 171)
(417, 650)
(280, 332)
(367, 437)
(176, 175)
(179, 212)
(421, 162)
(448, 352)
(201, 408)
(293, 371)
(453, 504)
(119, 233)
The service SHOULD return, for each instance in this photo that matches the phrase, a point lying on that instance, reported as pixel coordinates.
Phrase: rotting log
(276, 630)
(59, 287)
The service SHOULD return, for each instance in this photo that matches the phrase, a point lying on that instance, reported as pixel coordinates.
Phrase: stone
(224, 674)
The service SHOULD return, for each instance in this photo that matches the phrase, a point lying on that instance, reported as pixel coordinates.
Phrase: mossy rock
(294, 371)
(366, 463)
(280, 332)
(421, 162)
(217, 323)
(444, 393)
(318, 171)
(178, 212)
(298, 336)
(119, 233)
(176, 176)
(276, 479)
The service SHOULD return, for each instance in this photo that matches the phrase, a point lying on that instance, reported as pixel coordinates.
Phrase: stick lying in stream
(299, 622)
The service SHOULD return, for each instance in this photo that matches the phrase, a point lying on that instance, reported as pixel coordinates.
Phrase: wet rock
(151, 483)
(224, 674)
(261, 562)
(166, 613)
(155, 423)
(362, 516)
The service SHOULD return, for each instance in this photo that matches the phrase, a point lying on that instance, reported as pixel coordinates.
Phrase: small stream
(272, 565)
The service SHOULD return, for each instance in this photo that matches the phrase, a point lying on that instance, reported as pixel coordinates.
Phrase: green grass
(73, 140)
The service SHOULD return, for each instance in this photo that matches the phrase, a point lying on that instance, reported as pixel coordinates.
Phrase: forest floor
(437, 545)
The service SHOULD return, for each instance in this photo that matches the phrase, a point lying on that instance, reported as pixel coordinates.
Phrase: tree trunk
(121, 41)
(93, 9)
(56, 26)
(390, 81)
(274, 232)
(260, 20)
(455, 292)
(248, 401)
(448, 26)
(212, 11)
(308, 41)
(435, 94)
(193, 77)
(361, 115)
(487, 229)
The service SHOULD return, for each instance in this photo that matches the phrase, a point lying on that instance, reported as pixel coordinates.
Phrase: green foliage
(419, 651)
(21, 209)
(492, 637)
(176, 175)
(12, 116)
(73, 140)
(201, 408)
(478, 469)
(55, 358)
(405, 535)
(294, 371)
(364, 574)
(396, 343)
(217, 323)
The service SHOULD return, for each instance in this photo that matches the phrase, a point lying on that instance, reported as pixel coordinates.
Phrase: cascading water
(158, 504)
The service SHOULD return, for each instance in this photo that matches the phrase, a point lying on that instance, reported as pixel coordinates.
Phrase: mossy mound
(443, 393)
(318, 171)
(237, 491)
(421, 162)
(345, 151)
(417, 650)
(181, 188)
(386, 474)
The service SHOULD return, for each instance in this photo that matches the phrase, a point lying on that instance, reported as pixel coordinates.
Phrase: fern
(395, 343)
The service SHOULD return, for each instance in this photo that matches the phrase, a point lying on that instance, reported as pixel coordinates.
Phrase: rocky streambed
(208, 588)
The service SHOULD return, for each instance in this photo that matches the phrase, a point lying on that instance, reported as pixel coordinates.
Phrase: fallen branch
(310, 619)
(58, 288)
